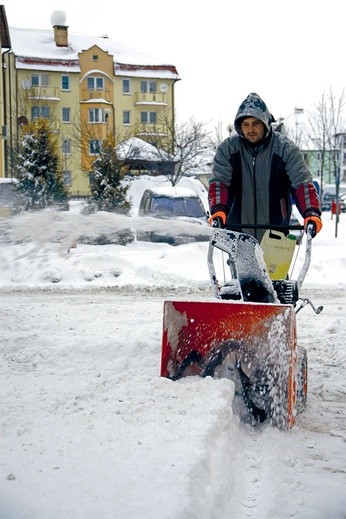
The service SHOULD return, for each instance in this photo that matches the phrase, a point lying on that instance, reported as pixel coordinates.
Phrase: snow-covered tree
(108, 191)
(40, 177)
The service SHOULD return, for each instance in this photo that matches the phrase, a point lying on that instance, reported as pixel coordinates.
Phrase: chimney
(60, 35)
(58, 20)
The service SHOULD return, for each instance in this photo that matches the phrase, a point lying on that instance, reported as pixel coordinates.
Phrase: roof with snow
(36, 49)
(137, 149)
(174, 191)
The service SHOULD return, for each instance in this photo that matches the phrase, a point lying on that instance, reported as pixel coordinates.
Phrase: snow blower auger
(247, 333)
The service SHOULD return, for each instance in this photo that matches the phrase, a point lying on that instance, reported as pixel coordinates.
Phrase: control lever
(307, 301)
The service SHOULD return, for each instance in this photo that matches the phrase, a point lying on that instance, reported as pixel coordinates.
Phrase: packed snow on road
(90, 429)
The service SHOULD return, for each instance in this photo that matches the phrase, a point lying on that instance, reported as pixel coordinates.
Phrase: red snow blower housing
(247, 332)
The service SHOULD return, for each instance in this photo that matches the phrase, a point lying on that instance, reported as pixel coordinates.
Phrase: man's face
(252, 129)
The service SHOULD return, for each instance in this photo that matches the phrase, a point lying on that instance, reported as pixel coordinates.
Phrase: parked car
(329, 198)
(179, 204)
(9, 198)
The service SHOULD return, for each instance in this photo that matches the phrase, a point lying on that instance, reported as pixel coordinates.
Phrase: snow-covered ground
(88, 427)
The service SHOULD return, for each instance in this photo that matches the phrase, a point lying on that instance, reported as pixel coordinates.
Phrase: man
(255, 174)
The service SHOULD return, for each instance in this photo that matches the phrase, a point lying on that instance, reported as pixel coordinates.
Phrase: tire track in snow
(246, 479)
(263, 475)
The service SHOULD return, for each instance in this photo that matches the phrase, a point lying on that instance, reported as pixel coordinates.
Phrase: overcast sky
(290, 53)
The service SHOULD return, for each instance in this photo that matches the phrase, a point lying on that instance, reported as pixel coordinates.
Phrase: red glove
(316, 222)
(218, 219)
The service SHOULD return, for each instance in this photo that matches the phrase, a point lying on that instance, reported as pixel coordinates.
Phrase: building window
(126, 117)
(148, 117)
(66, 147)
(66, 115)
(94, 147)
(35, 112)
(38, 80)
(97, 115)
(148, 87)
(67, 176)
(40, 112)
(95, 57)
(95, 83)
(126, 86)
(65, 82)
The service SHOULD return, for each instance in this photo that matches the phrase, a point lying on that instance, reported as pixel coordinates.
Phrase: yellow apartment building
(87, 87)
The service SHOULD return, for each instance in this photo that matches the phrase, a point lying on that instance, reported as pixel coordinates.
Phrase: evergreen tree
(108, 192)
(39, 172)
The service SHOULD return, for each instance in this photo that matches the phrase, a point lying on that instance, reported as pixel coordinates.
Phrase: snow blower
(247, 332)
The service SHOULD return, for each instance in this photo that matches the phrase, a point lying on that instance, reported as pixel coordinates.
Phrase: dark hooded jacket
(253, 184)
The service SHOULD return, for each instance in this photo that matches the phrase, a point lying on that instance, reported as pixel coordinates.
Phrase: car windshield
(164, 206)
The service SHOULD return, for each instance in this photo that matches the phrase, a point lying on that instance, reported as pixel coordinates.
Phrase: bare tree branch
(324, 124)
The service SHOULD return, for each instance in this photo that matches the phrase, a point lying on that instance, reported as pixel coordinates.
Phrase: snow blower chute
(246, 333)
